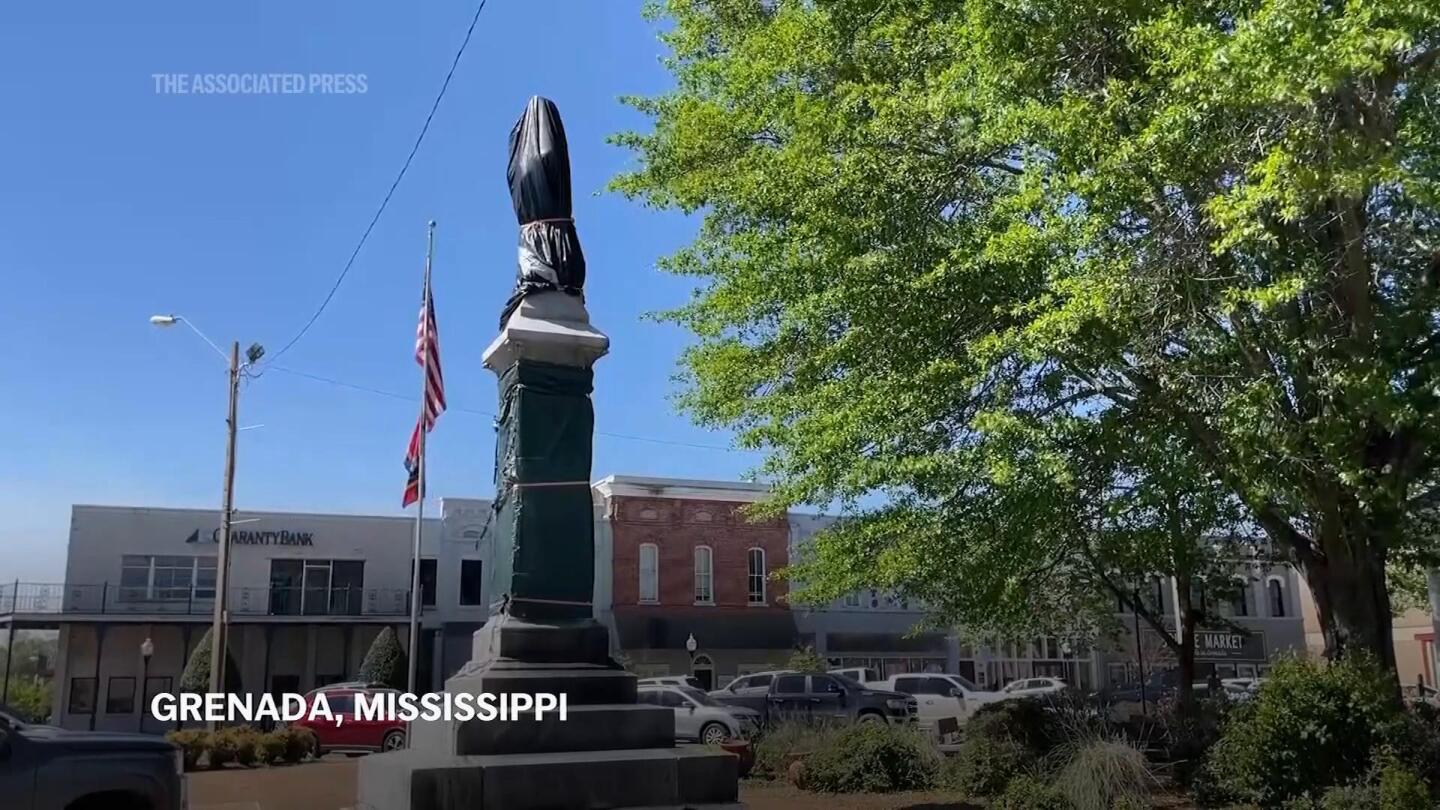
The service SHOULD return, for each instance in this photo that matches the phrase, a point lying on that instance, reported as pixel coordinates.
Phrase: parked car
(941, 697)
(674, 680)
(861, 674)
(820, 696)
(353, 736)
(751, 685)
(47, 768)
(700, 717)
(1032, 687)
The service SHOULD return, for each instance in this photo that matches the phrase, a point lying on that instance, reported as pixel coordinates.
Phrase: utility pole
(219, 622)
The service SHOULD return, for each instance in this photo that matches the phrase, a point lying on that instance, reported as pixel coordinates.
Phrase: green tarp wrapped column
(544, 562)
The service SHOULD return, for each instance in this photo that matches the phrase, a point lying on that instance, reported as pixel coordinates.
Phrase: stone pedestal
(610, 752)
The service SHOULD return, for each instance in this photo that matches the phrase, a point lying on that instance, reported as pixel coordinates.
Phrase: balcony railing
(109, 598)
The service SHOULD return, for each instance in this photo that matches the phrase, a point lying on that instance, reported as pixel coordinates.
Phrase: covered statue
(539, 176)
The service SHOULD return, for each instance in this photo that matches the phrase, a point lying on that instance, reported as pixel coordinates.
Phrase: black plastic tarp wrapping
(544, 559)
(539, 176)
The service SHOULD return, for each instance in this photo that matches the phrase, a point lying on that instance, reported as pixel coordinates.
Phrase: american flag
(427, 354)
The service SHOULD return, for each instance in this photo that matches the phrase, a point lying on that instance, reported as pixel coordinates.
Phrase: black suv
(48, 768)
(820, 697)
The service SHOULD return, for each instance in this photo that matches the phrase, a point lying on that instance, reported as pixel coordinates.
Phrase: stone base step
(600, 727)
(582, 684)
(593, 780)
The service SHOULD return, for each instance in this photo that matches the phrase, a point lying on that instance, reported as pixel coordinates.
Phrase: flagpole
(415, 596)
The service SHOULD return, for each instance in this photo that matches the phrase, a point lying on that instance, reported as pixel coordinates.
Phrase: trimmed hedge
(243, 746)
(385, 661)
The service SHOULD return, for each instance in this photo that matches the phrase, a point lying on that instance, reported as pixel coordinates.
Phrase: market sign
(247, 537)
(1225, 645)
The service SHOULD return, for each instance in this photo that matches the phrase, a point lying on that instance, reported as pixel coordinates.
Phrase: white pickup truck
(945, 701)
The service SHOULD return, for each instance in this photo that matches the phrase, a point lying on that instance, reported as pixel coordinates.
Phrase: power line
(364, 237)
(491, 414)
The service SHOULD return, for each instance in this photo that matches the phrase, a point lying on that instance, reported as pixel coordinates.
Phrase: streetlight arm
(171, 320)
(196, 330)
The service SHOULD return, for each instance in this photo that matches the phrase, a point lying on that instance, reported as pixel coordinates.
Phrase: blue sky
(237, 211)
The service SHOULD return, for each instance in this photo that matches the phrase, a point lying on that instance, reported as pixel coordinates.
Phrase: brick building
(684, 562)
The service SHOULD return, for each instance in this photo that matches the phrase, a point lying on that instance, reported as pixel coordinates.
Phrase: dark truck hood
(883, 693)
(94, 740)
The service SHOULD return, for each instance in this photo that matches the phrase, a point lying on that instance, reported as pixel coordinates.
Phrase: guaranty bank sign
(253, 537)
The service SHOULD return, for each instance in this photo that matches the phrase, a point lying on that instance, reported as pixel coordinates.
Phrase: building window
(1157, 595)
(154, 685)
(1275, 595)
(427, 580)
(852, 600)
(82, 696)
(472, 582)
(874, 598)
(757, 576)
(316, 587)
(146, 578)
(120, 696)
(650, 573)
(704, 576)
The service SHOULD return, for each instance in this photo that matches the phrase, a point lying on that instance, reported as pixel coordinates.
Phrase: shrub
(1102, 774)
(774, 748)
(220, 748)
(1401, 789)
(1312, 725)
(385, 661)
(191, 743)
(270, 748)
(1342, 797)
(243, 740)
(984, 766)
(872, 758)
(1030, 793)
(1025, 721)
(1418, 742)
(299, 743)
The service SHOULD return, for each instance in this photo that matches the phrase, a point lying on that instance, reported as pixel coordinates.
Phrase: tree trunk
(1352, 601)
(1185, 689)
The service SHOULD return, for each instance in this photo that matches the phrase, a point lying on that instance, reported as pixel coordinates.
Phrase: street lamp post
(147, 649)
(691, 645)
(219, 619)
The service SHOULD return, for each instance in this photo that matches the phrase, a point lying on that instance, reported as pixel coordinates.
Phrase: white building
(308, 593)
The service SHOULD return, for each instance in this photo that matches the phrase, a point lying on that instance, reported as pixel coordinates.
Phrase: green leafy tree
(948, 250)
(196, 676)
(806, 660)
(385, 661)
(31, 698)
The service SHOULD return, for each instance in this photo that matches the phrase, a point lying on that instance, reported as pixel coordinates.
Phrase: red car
(350, 736)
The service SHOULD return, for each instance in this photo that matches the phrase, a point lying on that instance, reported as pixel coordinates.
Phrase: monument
(542, 636)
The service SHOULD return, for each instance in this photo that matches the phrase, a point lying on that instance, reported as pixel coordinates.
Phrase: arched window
(756, 578)
(1275, 596)
(1244, 601)
(649, 572)
(704, 576)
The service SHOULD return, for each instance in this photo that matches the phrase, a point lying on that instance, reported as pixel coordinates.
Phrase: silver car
(700, 717)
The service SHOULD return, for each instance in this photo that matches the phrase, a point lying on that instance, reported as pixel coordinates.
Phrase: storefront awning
(723, 630)
(884, 643)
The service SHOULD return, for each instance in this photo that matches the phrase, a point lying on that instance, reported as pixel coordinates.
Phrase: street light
(218, 623)
(691, 645)
(147, 649)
